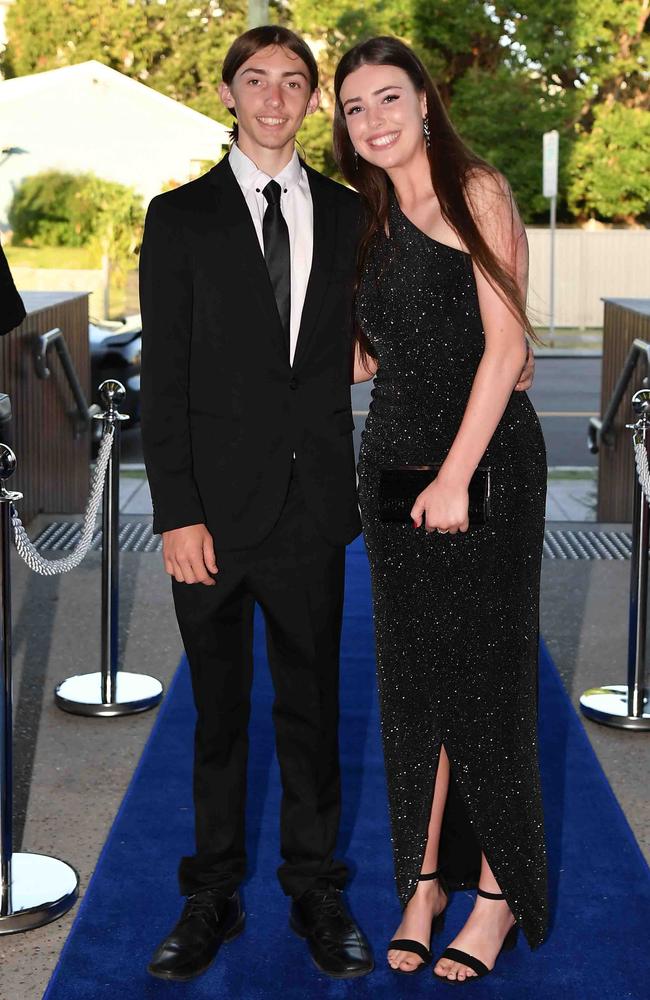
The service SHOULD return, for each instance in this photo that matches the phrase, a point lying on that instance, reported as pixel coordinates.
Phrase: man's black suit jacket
(223, 411)
(12, 310)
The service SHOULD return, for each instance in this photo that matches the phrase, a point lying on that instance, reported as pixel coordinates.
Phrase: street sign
(258, 13)
(551, 157)
(551, 147)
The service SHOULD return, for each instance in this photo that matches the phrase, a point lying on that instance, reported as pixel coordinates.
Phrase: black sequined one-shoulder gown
(456, 616)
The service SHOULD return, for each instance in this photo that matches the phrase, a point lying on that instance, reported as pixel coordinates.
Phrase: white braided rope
(50, 567)
(642, 469)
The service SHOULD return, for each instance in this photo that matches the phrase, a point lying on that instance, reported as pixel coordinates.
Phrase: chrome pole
(110, 691)
(35, 889)
(626, 706)
(638, 599)
(7, 466)
(110, 545)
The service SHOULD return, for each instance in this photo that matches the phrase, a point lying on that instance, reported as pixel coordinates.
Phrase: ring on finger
(442, 531)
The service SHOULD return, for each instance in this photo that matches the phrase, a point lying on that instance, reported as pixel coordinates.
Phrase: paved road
(565, 394)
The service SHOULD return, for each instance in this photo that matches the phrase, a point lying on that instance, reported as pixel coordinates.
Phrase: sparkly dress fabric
(456, 616)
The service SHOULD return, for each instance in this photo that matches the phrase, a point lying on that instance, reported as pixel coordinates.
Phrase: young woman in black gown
(441, 325)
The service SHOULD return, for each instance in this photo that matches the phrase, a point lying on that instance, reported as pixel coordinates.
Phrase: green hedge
(58, 209)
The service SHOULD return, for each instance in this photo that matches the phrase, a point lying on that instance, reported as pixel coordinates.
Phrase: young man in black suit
(246, 288)
(12, 310)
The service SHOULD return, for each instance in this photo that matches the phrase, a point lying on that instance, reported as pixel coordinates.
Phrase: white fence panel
(611, 263)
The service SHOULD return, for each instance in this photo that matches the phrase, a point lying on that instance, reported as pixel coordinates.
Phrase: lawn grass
(571, 337)
(123, 293)
(57, 257)
(582, 473)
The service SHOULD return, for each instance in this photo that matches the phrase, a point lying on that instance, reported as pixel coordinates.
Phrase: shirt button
(293, 383)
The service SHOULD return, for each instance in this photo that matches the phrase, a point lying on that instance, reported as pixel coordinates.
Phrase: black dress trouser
(297, 579)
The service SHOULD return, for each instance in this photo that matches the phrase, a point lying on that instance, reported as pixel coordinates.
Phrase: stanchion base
(608, 705)
(42, 889)
(82, 695)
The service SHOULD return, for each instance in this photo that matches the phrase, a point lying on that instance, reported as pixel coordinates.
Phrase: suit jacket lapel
(322, 260)
(242, 248)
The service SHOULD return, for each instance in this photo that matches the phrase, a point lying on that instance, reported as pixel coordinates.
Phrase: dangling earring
(426, 128)
(356, 160)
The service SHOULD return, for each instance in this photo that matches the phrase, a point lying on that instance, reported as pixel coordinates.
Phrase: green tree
(610, 175)
(315, 143)
(595, 55)
(503, 117)
(335, 27)
(176, 48)
(497, 97)
(507, 73)
(44, 212)
(453, 38)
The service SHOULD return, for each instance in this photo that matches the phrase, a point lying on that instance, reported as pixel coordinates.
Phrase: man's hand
(188, 554)
(527, 372)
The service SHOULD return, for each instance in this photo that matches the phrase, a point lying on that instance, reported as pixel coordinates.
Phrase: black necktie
(276, 251)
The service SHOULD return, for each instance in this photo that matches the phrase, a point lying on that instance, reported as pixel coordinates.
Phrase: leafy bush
(609, 167)
(77, 210)
(45, 212)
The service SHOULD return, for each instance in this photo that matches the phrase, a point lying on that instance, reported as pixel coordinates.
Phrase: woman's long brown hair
(452, 165)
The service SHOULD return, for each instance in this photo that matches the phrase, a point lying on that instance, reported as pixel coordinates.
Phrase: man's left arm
(12, 310)
(527, 372)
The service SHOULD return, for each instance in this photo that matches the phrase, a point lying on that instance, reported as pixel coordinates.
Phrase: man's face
(270, 94)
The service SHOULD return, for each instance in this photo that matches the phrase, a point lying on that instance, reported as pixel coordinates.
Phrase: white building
(4, 6)
(89, 117)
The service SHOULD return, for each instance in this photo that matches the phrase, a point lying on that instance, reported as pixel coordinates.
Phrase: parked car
(115, 352)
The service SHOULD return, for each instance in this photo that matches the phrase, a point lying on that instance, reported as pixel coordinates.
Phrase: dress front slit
(456, 616)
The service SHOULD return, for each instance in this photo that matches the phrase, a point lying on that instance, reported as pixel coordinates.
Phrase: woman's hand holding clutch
(442, 507)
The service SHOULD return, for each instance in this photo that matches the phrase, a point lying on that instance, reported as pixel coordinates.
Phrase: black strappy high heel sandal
(472, 963)
(406, 944)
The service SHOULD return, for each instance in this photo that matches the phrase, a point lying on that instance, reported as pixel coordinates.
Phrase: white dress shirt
(298, 211)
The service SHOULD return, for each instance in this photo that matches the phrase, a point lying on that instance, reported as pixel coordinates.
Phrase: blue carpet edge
(544, 651)
(590, 752)
(79, 911)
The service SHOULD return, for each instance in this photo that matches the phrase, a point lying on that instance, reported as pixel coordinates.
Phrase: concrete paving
(571, 499)
(71, 772)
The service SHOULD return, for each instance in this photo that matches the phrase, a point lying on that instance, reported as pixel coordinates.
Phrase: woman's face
(384, 113)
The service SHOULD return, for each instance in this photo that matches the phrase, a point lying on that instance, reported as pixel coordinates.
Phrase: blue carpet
(600, 884)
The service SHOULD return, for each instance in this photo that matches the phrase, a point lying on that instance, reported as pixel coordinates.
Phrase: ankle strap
(429, 877)
(489, 895)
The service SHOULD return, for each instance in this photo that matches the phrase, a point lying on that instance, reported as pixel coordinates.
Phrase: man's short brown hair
(261, 38)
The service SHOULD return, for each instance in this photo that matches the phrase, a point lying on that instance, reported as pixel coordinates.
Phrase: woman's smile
(384, 141)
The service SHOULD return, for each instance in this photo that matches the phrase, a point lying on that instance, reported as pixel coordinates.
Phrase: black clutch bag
(400, 485)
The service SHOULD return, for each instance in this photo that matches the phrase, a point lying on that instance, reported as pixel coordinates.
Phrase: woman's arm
(444, 504)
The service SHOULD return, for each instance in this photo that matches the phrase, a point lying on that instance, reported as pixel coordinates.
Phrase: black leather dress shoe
(337, 946)
(208, 919)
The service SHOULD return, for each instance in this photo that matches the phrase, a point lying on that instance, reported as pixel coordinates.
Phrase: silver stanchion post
(625, 706)
(35, 888)
(110, 691)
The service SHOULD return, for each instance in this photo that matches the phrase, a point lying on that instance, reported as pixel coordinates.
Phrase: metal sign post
(34, 888)
(551, 149)
(258, 13)
(111, 691)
